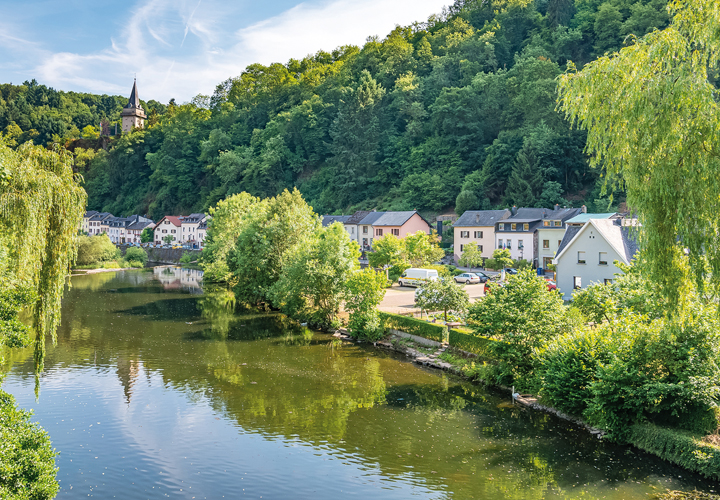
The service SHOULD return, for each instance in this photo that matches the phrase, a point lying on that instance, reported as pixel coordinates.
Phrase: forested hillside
(460, 108)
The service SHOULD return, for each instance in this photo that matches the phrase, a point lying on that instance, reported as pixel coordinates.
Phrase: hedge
(413, 326)
(679, 447)
(469, 343)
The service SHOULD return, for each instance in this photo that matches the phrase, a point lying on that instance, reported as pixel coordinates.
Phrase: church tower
(132, 114)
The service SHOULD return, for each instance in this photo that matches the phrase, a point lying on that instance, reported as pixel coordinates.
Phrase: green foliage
(364, 291)
(266, 241)
(185, 258)
(97, 249)
(27, 468)
(414, 250)
(136, 254)
(413, 326)
(442, 295)
(388, 251)
(466, 200)
(500, 259)
(147, 235)
(521, 264)
(657, 98)
(470, 343)
(471, 256)
(524, 316)
(168, 239)
(228, 218)
(313, 277)
(679, 447)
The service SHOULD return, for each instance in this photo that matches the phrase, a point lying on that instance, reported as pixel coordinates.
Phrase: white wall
(554, 236)
(515, 237)
(592, 243)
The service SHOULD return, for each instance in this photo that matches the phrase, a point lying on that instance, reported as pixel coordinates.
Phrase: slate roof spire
(134, 101)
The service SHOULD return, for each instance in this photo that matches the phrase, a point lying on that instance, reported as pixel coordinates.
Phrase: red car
(551, 285)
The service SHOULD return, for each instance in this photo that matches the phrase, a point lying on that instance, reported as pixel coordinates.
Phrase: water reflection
(189, 396)
(179, 278)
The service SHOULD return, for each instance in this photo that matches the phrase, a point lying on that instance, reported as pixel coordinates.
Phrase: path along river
(156, 390)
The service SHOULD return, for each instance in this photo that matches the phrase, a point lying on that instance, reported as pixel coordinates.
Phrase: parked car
(511, 270)
(551, 285)
(471, 278)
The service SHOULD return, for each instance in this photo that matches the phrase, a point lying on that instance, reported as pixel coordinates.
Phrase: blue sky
(179, 48)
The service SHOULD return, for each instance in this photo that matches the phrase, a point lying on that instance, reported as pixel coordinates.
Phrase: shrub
(470, 343)
(364, 291)
(96, 249)
(680, 447)
(185, 258)
(523, 315)
(135, 254)
(442, 295)
(521, 264)
(413, 326)
(27, 467)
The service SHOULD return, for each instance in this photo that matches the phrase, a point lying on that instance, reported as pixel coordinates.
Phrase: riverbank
(679, 447)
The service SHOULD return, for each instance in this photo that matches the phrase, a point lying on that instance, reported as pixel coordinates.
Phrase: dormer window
(514, 227)
(557, 223)
(546, 223)
(526, 227)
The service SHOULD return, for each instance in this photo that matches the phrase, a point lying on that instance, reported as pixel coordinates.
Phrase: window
(464, 234)
(462, 248)
(365, 229)
(507, 227)
(577, 282)
(581, 257)
(395, 232)
(480, 247)
(546, 243)
(164, 231)
(509, 244)
(478, 234)
(603, 259)
(521, 245)
(378, 232)
(526, 227)
(608, 281)
(546, 223)
(352, 230)
(172, 231)
(514, 227)
(557, 223)
(500, 245)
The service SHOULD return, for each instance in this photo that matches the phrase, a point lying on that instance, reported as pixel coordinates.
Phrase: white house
(168, 226)
(587, 253)
(517, 233)
(351, 224)
(189, 229)
(550, 233)
(477, 227)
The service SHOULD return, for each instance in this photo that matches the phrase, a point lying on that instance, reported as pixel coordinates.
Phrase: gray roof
(90, 213)
(531, 213)
(570, 233)
(622, 238)
(101, 216)
(395, 218)
(202, 225)
(329, 219)
(583, 218)
(371, 218)
(475, 218)
(357, 217)
(564, 213)
(192, 218)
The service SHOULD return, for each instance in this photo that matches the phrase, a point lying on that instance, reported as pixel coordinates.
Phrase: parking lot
(401, 299)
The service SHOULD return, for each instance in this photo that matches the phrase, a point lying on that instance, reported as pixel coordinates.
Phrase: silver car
(469, 278)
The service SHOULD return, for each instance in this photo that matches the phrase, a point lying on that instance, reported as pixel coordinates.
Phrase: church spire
(133, 115)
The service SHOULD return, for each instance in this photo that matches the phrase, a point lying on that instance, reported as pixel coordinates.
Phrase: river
(157, 390)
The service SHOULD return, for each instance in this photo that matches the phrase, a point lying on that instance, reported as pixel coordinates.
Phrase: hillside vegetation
(460, 109)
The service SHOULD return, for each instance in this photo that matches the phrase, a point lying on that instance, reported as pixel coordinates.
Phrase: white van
(417, 277)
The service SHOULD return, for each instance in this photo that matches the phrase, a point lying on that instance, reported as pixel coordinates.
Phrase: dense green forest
(460, 109)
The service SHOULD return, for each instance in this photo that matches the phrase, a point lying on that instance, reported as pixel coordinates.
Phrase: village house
(477, 227)
(351, 224)
(118, 228)
(169, 225)
(331, 219)
(85, 224)
(202, 233)
(95, 223)
(587, 253)
(134, 231)
(550, 233)
(399, 224)
(517, 232)
(189, 229)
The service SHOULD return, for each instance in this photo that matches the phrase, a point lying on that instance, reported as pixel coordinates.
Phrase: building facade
(550, 233)
(477, 227)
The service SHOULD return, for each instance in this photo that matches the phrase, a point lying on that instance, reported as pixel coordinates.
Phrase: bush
(135, 254)
(523, 315)
(470, 343)
(413, 326)
(27, 467)
(679, 447)
(185, 258)
(364, 291)
(442, 295)
(521, 264)
(96, 249)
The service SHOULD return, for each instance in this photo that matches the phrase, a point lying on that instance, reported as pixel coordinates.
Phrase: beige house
(477, 227)
(399, 224)
(85, 224)
(168, 226)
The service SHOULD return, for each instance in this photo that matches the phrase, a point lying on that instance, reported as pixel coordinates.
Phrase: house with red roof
(169, 225)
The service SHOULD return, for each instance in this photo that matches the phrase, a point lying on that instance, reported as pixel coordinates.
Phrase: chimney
(556, 207)
(584, 209)
(477, 218)
(513, 210)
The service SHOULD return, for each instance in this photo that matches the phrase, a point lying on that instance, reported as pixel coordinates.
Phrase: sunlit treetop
(653, 124)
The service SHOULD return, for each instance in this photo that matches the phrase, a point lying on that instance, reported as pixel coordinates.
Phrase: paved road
(401, 299)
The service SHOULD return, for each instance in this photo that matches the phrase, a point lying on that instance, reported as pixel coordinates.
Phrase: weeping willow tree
(41, 207)
(653, 122)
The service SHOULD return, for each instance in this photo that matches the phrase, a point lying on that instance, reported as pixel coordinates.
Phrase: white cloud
(155, 44)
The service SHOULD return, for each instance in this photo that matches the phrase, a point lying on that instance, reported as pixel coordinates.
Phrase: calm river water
(154, 390)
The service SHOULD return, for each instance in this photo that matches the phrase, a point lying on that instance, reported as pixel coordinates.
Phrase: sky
(179, 48)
